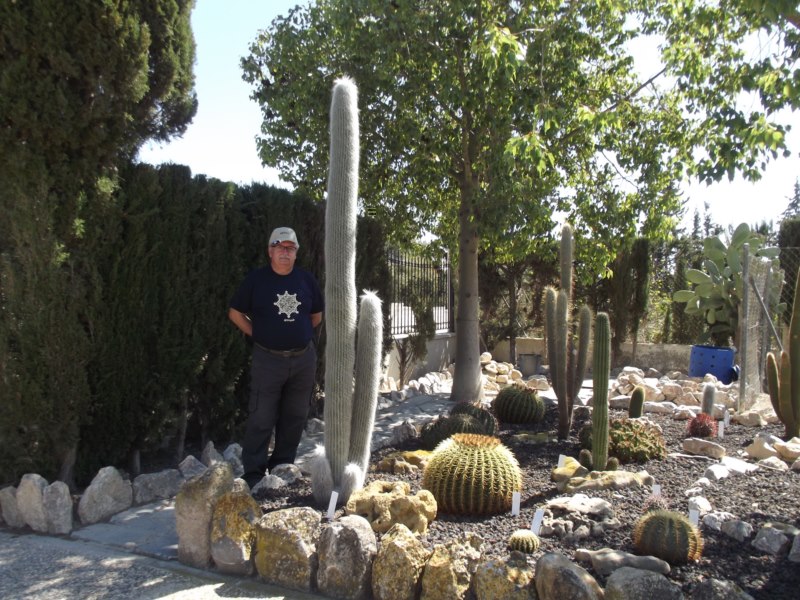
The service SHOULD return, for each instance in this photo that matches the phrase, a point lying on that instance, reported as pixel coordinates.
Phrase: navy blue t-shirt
(279, 306)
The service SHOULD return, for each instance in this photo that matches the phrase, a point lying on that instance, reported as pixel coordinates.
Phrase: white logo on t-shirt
(287, 304)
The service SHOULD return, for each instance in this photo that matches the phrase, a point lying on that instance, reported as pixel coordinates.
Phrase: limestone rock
(398, 565)
(794, 552)
(8, 504)
(738, 530)
(345, 550)
(210, 455)
(510, 579)
(628, 583)
(286, 547)
(486, 358)
(703, 447)
(385, 503)
(194, 506)
(107, 494)
(58, 508)
(788, 451)
(607, 560)
(761, 449)
(289, 473)
(571, 468)
(30, 500)
(749, 418)
(233, 532)
(773, 462)
(403, 432)
(191, 467)
(448, 572)
(609, 480)
(149, 487)
(558, 578)
(233, 454)
(737, 466)
(771, 540)
(581, 503)
(269, 482)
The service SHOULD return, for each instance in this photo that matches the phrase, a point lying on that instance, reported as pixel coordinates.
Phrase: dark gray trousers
(280, 397)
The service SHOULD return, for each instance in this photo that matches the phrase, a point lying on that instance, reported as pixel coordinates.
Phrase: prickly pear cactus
(637, 403)
(524, 540)
(517, 404)
(668, 535)
(471, 474)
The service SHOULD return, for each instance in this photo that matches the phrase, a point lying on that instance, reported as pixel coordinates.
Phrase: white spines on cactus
(321, 477)
(368, 368)
(340, 260)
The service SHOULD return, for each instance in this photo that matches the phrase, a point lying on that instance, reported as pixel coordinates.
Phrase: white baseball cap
(283, 234)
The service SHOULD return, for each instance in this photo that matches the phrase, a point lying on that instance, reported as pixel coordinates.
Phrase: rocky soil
(757, 498)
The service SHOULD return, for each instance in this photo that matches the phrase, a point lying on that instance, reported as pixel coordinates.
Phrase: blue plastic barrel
(716, 360)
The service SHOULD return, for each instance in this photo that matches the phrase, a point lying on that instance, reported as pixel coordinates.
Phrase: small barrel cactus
(654, 502)
(585, 458)
(524, 540)
(702, 426)
(486, 418)
(668, 535)
(637, 403)
(442, 428)
(472, 474)
(518, 404)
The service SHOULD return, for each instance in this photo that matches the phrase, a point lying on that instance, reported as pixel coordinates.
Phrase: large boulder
(286, 547)
(448, 572)
(397, 567)
(558, 578)
(149, 487)
(194, 507)
(30, 500)
(345, 552)
(8, 504)
(628, 583)
(233, 532)
(107, 495)
(58, 508)
(510, 578)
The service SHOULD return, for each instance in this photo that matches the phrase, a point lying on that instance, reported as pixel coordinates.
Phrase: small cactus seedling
(472, 474)
(585, 458)
(518, 404)
(669, 536)
(637, 403)
(524, 540)
(702, 426)
(709, 395)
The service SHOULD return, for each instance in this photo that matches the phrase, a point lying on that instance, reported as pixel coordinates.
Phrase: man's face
(282, 256)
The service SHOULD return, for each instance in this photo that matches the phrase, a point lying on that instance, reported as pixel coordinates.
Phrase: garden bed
(760, 497)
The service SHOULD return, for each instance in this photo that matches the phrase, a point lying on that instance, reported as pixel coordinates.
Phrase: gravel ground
(757, 498)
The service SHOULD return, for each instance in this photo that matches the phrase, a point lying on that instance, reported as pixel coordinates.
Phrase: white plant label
(538, 517)
(332, 505)
(515, 500)
(656, 489)
(721, 430)
(694, 516)
(561, 460)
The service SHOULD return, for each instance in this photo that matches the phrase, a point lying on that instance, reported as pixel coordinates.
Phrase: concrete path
(134, 555)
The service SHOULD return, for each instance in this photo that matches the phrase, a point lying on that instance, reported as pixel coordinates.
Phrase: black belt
(284, 353)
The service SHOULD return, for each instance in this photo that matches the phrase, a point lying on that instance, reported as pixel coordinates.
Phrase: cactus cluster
(350, 402)
(470, 474)
(524, 540)
(586, 460)
(629, 440)
(601, 365)
(566, 352)
(702, 426)
(518, 404)
(636, 405)
(783, 375)
(669, 536)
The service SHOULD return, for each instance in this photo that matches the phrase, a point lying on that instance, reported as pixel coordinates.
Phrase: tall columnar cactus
(783, 378)
(636, 406)
(668, 535)
(471, 474)
(601, 367)
(567, 357)
(709, 395)
(342, 463)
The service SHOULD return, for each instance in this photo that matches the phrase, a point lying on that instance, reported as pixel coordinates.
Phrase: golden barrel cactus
(471, 474)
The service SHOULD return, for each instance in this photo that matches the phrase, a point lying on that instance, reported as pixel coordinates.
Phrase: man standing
(278, 306)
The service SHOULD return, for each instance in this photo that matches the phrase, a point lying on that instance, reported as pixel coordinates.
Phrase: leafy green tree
(476, 117)
(793, 208)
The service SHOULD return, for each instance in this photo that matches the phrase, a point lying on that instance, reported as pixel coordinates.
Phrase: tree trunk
(180, 439)
(67, 470)
(467, 376)
(512, 318)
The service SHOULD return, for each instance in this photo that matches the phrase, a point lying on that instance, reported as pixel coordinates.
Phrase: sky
(220, 142)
